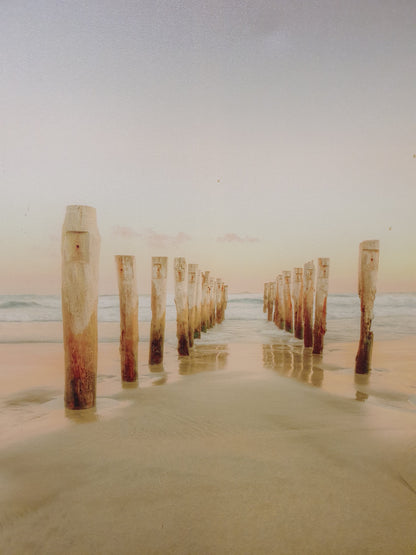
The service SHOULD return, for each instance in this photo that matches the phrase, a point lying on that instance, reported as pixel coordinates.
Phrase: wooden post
(281, 311)
(225, 298)
(276, 302)
(320, 305)
(298, 302)
(265, 296)
(197, 331)
(158, 303)
(287, 299)
(80, 260)
(367, 280)
(218, 301)
(192, 283)
(129, 316)
(308, 295)
(205, 302)
(270, 301)
(181, 302)
(212, 293)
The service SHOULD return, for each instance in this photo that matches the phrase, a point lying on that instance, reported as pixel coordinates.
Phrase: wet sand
(243, 448)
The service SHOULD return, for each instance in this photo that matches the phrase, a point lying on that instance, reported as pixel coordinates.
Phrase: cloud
(161, 240)
(234, 238)
(152, 238)
(126, 232)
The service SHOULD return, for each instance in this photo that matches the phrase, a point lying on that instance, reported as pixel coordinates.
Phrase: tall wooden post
(265, 296)
(276, 302)
(298, 302)
(367, 280)
(212, 294)
(192, 284)
(270, 301)
(281, 306)
(321, 296)
(308, 296)
(158, 303)
(225, 298)
(218, 301)
(205, 302)
(80, 260)
(287, 299)
(129, 316)
(181, 302)
(197, 331)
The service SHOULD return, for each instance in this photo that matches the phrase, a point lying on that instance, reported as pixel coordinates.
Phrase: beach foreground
(227, 455)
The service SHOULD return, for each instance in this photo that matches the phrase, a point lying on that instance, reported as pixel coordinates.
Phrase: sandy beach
(242, 448)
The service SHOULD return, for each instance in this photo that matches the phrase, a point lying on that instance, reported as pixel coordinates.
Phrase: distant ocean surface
(394, 313)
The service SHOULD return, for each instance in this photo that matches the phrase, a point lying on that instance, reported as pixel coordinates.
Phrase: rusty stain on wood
(158, 305)
(367, 280)
(129, 316)
(321, 296)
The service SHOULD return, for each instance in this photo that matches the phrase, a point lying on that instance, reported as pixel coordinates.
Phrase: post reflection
(203, 358)
(294, 361)
(361, 381)
(82, 416)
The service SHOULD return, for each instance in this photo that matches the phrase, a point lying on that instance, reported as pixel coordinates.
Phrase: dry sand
(234, 452)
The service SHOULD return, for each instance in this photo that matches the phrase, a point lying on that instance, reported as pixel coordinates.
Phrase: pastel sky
(248, 136)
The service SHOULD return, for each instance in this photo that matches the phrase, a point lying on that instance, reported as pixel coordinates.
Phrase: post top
(370, 245)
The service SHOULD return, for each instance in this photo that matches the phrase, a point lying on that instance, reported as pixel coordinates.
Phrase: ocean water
(394, 313)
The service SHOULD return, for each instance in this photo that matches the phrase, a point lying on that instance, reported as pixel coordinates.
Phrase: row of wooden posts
(289, 302)
(200, 304)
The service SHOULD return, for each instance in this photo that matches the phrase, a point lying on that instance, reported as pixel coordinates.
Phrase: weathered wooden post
(192, 283)
(298, 302)
(287, 299)
(308, 296)
(276, 302)
(181, 302)
(129, 316)
(212, 294)
(197, 331)
(265, 296)
(158, 303)
(205, 301)
(225, 298)
(80, 260)
(321, 296)
(281, 311)
(218, 301)
(367, 280)
(270, 301)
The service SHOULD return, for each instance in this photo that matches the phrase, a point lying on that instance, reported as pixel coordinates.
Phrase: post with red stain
(321, 296)
(287, 299)
(367, 280)
(129, 316)
(80, 260)
(280, 317)
(198, 305)
(192, 285)
(266, 286)
(158, 304)
(225, 298)
(218, 301)
(297, 289)
(205, 302)
(270, 301)
(181, 302)
(308, 297)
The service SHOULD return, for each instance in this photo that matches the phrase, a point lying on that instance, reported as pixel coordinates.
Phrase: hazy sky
(247, 135)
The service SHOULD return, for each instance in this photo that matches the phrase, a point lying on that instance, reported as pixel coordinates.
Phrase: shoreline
(223, 453)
